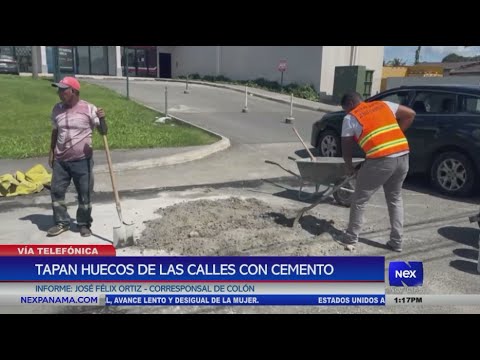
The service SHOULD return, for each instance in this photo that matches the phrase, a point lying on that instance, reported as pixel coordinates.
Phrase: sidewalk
(124, 160)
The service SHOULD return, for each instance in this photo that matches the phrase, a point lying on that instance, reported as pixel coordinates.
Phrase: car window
(469, 104)
(400, 97)
(434, 102)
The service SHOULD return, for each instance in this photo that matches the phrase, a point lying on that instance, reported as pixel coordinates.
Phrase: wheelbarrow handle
(281, 167)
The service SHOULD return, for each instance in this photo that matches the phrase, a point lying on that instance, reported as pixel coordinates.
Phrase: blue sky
(428, 53)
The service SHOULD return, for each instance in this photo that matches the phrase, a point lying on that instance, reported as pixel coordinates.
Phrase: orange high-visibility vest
(381, 135)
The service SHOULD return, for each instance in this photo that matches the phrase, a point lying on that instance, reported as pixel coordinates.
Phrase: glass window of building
(98, 60)
(6, 50)
(82, 59)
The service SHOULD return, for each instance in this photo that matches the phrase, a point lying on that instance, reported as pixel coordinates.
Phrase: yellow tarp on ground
(25, 183)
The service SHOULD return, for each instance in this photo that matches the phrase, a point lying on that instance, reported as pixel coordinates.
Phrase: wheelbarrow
(328, 172)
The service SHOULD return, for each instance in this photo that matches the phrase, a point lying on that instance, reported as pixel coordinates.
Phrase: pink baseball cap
(66, 82)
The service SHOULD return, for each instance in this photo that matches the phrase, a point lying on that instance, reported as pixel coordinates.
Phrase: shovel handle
(112, 177)
(103, 126)
(304, 145)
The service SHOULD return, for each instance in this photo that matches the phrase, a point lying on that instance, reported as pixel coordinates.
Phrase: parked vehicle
(8, 65)
(444, 137)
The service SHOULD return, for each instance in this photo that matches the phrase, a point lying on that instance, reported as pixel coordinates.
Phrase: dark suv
(444, 137)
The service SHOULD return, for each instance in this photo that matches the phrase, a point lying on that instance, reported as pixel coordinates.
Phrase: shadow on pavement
(465, 266)
(312, 224)
(463, 235)
(43, 222)
(302, 153)
(316, 226)
(420, 184)
(466, 236)
(466, 253)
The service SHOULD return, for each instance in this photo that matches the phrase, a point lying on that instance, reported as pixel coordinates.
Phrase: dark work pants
(80, 172)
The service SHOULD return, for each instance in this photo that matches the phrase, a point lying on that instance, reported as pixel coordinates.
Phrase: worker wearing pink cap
(70, 158)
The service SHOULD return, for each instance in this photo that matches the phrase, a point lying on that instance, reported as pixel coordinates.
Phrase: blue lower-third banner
(142, 300)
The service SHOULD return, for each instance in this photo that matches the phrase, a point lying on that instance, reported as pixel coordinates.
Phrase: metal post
(186, 91)
(125, 51)
(290, 119)
(56, 74)
(166, 101)
(245, 108)
(34, 62)
(281, 81)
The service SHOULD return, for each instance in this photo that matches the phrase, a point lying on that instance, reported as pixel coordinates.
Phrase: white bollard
(290, 119)
(186, 91)
(245, 108)
(166, 101)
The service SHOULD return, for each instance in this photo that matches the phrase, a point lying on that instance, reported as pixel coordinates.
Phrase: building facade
(313, 65)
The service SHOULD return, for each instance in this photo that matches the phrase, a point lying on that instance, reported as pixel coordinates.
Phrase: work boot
(394, 247)
(58, 229)
(85, 231)
(345, 238)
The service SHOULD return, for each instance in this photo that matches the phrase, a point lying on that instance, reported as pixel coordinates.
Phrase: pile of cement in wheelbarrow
(236, 227)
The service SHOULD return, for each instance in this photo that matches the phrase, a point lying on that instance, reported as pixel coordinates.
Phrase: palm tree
(417, 54)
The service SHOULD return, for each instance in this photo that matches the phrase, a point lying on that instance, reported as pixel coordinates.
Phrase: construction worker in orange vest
(378, 127)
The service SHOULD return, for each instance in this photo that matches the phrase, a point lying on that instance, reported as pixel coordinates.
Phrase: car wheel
(329, 144)
(452, 173)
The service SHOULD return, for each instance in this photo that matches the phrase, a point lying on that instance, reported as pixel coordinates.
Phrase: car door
(434, 110)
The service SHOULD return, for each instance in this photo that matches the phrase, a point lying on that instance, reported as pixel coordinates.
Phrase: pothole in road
(233, 227)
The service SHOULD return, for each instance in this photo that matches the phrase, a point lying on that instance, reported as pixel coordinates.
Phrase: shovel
(123, 234)
(304, 145)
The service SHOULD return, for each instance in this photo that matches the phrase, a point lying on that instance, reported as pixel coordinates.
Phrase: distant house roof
(464, 70)
(451, 65)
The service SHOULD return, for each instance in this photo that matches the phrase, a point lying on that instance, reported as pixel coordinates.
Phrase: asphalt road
(220, 110)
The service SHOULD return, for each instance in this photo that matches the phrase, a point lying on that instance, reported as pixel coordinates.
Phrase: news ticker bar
(238, 300)
(195, 288)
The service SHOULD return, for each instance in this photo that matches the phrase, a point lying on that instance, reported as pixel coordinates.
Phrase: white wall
(372, 58)
(42, 60)
(253, 62)
(332, 56)
(193, 59)
(306, 64)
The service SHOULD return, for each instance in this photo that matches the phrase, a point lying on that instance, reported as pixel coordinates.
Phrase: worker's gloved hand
(103, 128)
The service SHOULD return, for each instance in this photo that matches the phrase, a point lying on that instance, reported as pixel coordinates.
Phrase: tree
(417, 54)
(397, 62)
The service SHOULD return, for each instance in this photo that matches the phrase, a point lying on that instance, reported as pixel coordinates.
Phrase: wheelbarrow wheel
(344, 197)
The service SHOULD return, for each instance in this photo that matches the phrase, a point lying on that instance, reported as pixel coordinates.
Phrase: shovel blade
(123, 235)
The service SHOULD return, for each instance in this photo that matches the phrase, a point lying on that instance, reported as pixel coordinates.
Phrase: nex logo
(402, 273)
(405, 274)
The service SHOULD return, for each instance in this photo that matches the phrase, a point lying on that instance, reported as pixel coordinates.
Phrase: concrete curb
(251, 90)
(195, 154)
(186, 156)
